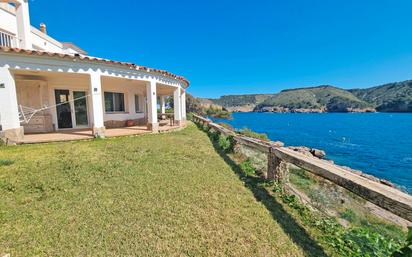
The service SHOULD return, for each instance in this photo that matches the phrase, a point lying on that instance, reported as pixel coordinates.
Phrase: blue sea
(379, 144)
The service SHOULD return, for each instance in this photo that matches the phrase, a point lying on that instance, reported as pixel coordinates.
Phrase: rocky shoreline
(320, 154)
(275, 109)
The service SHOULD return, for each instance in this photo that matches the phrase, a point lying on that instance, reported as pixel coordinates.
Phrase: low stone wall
(123, 123)
(12, 136)
(278, 156)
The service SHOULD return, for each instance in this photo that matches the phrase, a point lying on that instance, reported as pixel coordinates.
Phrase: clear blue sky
(237, 47)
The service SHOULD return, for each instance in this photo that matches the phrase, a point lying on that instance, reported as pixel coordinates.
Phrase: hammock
(27, 113)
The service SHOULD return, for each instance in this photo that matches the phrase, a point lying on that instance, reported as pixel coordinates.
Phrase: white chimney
(43, 28)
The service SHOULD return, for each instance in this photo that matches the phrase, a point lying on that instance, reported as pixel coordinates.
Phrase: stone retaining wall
(372, 190)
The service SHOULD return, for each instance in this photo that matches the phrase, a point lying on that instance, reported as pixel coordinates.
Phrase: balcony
(7, 40)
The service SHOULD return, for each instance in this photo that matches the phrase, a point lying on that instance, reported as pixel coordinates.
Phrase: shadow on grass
(289, 225)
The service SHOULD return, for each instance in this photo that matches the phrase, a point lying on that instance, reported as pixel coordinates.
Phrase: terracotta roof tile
(93, 59)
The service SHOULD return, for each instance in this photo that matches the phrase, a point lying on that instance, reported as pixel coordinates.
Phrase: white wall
(44, 42)
(71, 83)
(7, 20)
(83, 84)
(129, 90)
(40, 41)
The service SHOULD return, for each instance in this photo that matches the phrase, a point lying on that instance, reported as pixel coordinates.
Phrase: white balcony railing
(7, 40)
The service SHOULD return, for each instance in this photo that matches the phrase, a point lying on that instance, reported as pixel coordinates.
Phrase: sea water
(379, 144)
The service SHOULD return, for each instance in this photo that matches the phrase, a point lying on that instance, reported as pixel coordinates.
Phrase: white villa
(69, 91)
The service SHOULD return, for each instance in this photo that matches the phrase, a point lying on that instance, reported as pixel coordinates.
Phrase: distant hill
(393, 97)
(245, 103)
(314, 99)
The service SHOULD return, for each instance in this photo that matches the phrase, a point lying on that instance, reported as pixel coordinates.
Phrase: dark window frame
(110, 102)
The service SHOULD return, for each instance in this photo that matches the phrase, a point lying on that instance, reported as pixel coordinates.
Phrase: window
(114, 102)
(137, 103)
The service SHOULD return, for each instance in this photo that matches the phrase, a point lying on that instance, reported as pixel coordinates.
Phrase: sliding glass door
(80, 108)
(71, 109)
(63, 109)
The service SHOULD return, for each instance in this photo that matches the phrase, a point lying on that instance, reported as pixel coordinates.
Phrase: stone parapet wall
(372, 190)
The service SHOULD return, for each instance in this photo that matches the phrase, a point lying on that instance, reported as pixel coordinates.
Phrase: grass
(153, 195)
(249, 133)
(318, 233)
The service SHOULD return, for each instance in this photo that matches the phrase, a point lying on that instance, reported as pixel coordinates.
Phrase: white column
(23, 25)
(152, 106)
(177, 106)
(9, 111)
(183, 105)
(97, 104)
(162, 104)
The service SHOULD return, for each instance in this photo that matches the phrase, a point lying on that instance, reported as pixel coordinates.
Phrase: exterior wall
(8, 19)
(44, 42)
(39, 40)
(65, 73)
(34, 94)
(9, 116)
(72, 84)
(118, 119)
(37, 93)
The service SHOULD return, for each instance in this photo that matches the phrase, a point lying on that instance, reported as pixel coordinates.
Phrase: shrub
(356, 241)
(213, 135)
(189, 116)
(319, 199)
(349, 215)
(405, 251)
(300, 178)
(249, 133)
(363, 242)
(217, 112)
(247, 168)
(226, 143)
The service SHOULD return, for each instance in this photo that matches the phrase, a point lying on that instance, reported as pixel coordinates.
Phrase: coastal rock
(361, 110)
(276, 109)
(241, 108)
(311, 152)
(301, 149)
(318, 153)
(304, 110)
(277, 143)
(280, 109)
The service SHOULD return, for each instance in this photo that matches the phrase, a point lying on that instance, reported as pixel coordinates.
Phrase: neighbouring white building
(67, 89)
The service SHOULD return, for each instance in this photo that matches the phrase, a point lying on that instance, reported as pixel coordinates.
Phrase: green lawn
(153, 195)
